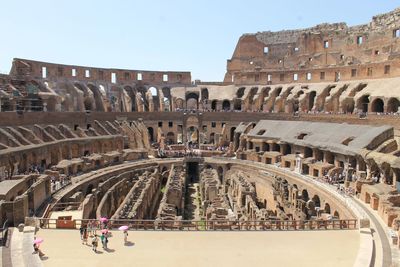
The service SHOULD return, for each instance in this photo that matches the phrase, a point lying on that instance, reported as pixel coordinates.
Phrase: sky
(166, 35)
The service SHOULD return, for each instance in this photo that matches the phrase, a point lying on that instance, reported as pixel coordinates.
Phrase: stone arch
(348, 105)
(192, 100)
(170, 138)
(327, 208)
(304, 195)
(220, 172)
(89, 189)
(84, 90)
(212, 138)
(204, 94)
(308, 152)
(311, 100)
(151, 133)
(167, 98)
(362, 103)
(240, 92)
(237, 104)
(132, 94)
(336, 214)
(214, 104)
(377, 105)
(226, 105)
(316, 201)
(179, 103)
(286, 149)
(98, 96)
(393, 105)
(232, 134)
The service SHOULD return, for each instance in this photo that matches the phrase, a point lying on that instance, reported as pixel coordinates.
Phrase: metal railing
(229, 225)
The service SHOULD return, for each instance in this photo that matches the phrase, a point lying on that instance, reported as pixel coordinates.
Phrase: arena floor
(156, 248)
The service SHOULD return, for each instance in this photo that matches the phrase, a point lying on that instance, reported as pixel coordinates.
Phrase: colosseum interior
(302, 134)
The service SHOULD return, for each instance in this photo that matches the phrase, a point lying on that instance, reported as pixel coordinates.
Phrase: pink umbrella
(103, 219)
(38, 240)
(104, 231)
(123, 228)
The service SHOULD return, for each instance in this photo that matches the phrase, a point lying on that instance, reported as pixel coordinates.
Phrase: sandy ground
(250, 249)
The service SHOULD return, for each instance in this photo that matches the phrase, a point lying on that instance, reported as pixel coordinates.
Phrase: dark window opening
(387, 69)
(261, 132)
(347, 141)
(369, 72)
(301, 136)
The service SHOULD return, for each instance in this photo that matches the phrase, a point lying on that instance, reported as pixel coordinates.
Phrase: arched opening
(192, 135)
(237, 104)
(220, 171)
(170, 138)
(167, 98)
(363, 103)
(153, 91)
(179, 103)
(214, 105)
(88, 104)
(377, 105)
(336, 214)
(308, 153)
(311, 100)
(212, 138)
(151, 134)
(192, 101)
(329, 157)
(348, 105)
(304, 195)
(232, 137)
(89, 189)
(286, 149)
(132, 95)
(393, 105)
(327, 208)
(316, 201)
(204, 94)
(98, 93)
(240, 92)
(226, 105)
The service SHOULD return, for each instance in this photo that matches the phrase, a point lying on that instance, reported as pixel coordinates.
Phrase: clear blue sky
(186, 35)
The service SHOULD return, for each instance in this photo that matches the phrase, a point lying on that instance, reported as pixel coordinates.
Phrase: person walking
(103, 240)
(37, 250)
(81, 229)
(95, 243)
(125, 236)
(85, 236)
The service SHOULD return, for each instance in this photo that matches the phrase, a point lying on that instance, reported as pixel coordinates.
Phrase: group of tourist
(90, 231)
(57, 184)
